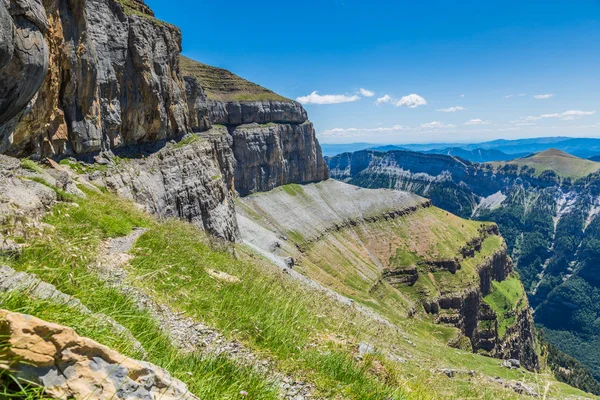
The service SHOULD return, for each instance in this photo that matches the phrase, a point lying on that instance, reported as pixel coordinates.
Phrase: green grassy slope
(222, 85)
(563, 164)
(304, 332)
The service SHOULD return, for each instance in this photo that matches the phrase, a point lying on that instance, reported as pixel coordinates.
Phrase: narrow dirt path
(187, 334)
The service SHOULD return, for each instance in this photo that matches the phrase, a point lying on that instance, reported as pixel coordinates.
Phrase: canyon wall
(103, 77)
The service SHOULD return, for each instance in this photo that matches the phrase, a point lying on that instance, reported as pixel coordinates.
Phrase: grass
(506, 298)
(563, 164)
(274, 316)
(31, 166)
(189, 139)
(222, 85)
(62, 258)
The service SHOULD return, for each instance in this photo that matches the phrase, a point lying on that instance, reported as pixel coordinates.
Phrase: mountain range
(169, 230)
(496, 150)
(546, 206)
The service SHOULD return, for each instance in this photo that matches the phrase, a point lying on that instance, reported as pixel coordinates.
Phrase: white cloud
(565, 116)
(569, 115)
(366, 93)
(385, 99)
(462, 95)
(476, 121)
(411, 101)
(451, 109)
(316, 98)
(543, 96)
(509, 96)
(436, 125)
(522, 94)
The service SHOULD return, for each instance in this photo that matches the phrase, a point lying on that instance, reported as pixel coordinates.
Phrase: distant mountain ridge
(580, 147)
(547, 207)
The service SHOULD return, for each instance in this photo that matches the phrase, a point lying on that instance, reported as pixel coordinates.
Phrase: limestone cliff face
(113, 79)
(104, 76)
(193, 182)
(276, 154)
(479, 322)
(273, 142)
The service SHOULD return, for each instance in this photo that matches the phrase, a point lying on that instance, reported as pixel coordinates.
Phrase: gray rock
(272, 155)
(116, 85)
(289, 261)
(24, 62)
(6, 36)
(193, 182)
(365, 348)
(511, 364)
(9, 247)
(449, 372)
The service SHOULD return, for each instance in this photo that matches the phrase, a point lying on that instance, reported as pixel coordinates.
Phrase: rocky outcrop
(519, 342)
(66, 365)
(203, 110)
(273, 142)
(276, 154)
(24, 59)
(114, 78)
(192, 181)
(479, 322)
(497, 268)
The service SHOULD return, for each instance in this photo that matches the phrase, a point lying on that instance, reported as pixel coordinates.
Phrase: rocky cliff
(66, 365)
(105, 77)
(394, 252)
(548, 216)
(273, 143)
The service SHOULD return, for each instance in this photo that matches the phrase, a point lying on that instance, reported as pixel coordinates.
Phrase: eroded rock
(67, 365)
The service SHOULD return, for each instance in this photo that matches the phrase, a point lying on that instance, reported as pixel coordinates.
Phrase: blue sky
(454, 71)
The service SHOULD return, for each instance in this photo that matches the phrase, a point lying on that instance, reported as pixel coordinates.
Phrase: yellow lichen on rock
(67, 365)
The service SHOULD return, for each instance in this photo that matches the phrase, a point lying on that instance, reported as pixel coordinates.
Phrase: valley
(171, 230)
(546, 209)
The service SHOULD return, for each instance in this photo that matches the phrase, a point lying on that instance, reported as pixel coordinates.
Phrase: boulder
(67, 365)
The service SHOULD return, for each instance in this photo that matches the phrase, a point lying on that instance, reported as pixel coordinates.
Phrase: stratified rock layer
(70, 366)
(110, 80)
(276, 154)
(113, 80)
(192, 181)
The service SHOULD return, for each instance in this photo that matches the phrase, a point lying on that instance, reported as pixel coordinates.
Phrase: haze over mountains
(497, 150)
(547, 206)
(170, 230)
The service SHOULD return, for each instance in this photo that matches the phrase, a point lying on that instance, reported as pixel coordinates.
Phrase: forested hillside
(546, 207)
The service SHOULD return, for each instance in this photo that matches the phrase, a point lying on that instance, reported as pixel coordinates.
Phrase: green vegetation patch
(62, 257)
(31, 166)
(563, 164)
(222, 85)
(506, 299)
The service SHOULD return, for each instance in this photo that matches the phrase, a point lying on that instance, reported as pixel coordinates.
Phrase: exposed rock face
(69, 366)
(273, 141)
(115, 84)
(24, 59)
(478, 321)
(21, 199)
(193, 182)
(276, 154)
(114, 78)
(456, 185)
